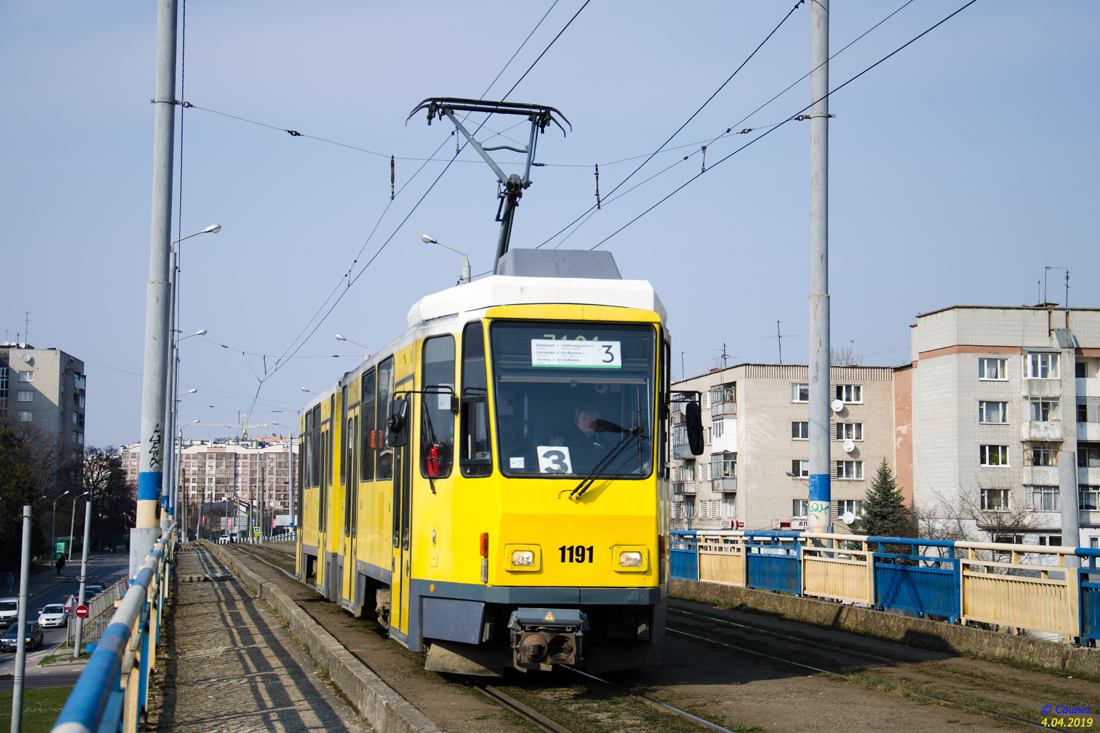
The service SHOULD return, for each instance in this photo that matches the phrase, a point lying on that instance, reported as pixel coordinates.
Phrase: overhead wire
(793, 117)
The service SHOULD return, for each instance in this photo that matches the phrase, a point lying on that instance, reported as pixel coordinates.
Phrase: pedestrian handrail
(111, 691)
(1017, 586)
(97, 607)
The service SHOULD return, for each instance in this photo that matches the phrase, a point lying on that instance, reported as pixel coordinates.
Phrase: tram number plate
(576, 553)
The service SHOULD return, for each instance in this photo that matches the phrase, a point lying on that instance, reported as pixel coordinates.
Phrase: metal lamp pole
(53, 531)
(83, 572)
(290, 472)
(72, 524)
(427, 239)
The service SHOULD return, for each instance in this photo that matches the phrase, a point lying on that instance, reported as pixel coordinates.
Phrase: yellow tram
(493, 484)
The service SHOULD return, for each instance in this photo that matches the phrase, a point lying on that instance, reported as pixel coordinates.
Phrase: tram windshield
(574, 397)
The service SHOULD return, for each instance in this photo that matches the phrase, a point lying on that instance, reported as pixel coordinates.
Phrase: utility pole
(21, 644)
(83, 575)
(158, 296)
(820, 489)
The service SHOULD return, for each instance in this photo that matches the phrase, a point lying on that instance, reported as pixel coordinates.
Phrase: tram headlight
(630, 559)
(523, 558)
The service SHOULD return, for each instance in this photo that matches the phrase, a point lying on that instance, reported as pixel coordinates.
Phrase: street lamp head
(62, 494)
(340, 338)
(212, 229)
(429, 239)
(200, 332)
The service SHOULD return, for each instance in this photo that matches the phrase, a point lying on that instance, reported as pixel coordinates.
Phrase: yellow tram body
(436, 494)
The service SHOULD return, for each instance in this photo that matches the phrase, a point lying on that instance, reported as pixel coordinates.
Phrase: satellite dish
(849, 446)
(848, 517)
(27, 358)
(837, 405)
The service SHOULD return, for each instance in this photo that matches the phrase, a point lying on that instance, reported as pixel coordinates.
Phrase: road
(45, 588)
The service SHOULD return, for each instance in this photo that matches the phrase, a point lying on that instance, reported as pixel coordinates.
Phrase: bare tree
(846, 355)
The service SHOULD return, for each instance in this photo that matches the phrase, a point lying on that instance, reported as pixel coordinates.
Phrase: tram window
(347, 445)
(572, 396)
(475, 453)
(663, 408)
(315, 454)
(369, 438)
(331, 433)
(437, 429)
(306, 479)
(385, 397)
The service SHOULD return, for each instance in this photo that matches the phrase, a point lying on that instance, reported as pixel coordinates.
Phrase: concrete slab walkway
(227, 663)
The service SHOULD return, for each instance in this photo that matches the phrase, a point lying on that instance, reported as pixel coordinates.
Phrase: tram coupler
(543, 637)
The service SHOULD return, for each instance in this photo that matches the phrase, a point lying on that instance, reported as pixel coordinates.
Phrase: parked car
(91, 590)
(9, 642)
(9, 610)
(53, 615)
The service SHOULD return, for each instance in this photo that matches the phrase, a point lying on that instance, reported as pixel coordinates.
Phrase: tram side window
(347, 445)
(437, 434)
(385, 397)
(349, 448)
(305, 478)
(331, 432)
(315, 454)
(475, 456)
(370, 438)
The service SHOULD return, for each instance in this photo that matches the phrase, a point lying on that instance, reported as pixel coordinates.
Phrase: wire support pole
(158, 296)
(820, 490)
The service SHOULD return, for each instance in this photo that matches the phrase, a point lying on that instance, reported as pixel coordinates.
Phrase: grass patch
(40, 708)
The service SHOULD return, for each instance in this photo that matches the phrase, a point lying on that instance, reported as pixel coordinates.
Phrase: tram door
(402, 519)
(349, 475)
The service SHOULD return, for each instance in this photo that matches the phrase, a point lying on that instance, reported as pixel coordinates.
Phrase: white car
(9, 611)
(53, 615)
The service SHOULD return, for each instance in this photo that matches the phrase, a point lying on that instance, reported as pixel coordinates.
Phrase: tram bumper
(543, 637)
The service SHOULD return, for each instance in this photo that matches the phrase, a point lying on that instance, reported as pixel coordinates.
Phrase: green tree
(17, 489)
(113, 503)
(884, 510)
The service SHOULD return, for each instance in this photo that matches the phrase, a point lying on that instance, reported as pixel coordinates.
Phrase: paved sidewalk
(226, 663)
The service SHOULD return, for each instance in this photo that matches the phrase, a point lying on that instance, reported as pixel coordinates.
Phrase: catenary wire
(789, 119)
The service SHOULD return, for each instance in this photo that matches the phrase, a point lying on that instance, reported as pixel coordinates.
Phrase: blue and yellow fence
(1018, 586)
(111, 692)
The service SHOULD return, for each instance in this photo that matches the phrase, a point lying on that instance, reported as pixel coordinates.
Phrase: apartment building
(999, 394)
(754, 472)
(254, 469)
(43, 390)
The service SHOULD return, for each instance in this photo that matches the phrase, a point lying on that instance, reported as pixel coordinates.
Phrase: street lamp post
(290, 473)
(366, 351)
(465, 260)
(53, 531)
(178, 449)
(83, 570)
(72, 524)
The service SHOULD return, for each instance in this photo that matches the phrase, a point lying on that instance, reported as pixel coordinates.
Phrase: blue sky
(959, 170)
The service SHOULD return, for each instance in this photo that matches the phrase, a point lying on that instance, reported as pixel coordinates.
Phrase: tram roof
(512, 290)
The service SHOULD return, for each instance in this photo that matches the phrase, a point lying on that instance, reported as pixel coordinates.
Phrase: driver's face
(585, 420)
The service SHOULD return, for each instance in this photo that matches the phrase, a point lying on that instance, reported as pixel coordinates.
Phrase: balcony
(1088, 476)
(1088, 387)
(687, 487)
(723, 409)
(725, 485)
(1042, 388)
(1039, 476)
(1088, 431)
(1046, 432)
(1089, 518)
(680, 451)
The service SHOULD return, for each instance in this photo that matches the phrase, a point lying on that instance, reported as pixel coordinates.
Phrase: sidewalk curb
(379, 704)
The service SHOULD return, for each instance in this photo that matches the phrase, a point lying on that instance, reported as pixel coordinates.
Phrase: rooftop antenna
(1046, 271)
(27, 321)
(510, 187)
(724, 357)
(780, 337)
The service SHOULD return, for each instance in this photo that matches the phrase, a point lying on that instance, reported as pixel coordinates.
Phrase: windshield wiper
(614, 453)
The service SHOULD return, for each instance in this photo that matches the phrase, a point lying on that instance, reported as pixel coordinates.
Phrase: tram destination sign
(583, 354)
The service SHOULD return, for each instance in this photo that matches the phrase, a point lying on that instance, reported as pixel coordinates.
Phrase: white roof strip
(511, 290)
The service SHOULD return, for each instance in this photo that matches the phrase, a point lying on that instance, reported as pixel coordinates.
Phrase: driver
(586, 445)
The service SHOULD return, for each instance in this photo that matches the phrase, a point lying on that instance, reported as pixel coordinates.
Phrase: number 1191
(576, 553)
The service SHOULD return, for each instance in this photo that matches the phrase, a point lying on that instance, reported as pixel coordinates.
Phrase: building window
(849, 431)
(1042, 455)
(1050, 540)
(993, 455)
(993, 412)
(1088, 455)
(1088, 412)
(1043, 410)
(723, 393)
(26, 416)
(995, 500)
(716, 429)
(26, 395)
(849, 469)
(849, 393)
(992, 369)
(844, 506)
(800, 469)
(74, 418)
(1088, 498)
(687, 507)
(3, 383)
(26, 376)
(730, 502)
(687, 471)
(724, 465)
(800, 508)
(800, 393)
(1044, 499)
(800, 431)
(1041, 366)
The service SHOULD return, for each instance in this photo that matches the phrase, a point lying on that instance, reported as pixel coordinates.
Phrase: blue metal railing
(923, 584)
(110, 693)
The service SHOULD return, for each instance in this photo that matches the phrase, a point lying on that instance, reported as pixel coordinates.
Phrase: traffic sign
(81, 611)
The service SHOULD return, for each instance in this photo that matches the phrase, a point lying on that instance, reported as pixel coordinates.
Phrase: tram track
(905, 673)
